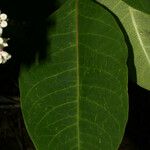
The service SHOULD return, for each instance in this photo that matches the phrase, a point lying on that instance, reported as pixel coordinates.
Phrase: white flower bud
(5, 44)
(3, 24)
(3, 16)
(4, 56)
(1, 31)
(1, 40)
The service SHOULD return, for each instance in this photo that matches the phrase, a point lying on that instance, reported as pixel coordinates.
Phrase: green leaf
(136, 24)
(142, 5)
(77, 98)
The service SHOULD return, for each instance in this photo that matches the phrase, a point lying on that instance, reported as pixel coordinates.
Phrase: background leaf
(77, 97)
(142, 5)
(136, 24)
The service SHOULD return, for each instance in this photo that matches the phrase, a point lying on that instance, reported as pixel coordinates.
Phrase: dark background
(27, 32)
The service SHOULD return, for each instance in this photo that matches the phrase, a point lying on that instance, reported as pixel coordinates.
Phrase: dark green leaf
(77, 98)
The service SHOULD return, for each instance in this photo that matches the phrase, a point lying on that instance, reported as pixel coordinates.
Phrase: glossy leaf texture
(136, 24)
(77, 98)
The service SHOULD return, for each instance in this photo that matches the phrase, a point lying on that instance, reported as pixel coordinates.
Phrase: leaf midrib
(78, 90)
(138, 35)
(136, 28)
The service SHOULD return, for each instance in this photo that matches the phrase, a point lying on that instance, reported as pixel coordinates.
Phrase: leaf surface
(77, 98)
(142, 5)
(136, 24)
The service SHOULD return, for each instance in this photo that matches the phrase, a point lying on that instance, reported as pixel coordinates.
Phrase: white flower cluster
(4, 56)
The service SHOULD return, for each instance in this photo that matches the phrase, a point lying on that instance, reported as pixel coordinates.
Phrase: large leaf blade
(77, 99)
(136, 24)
